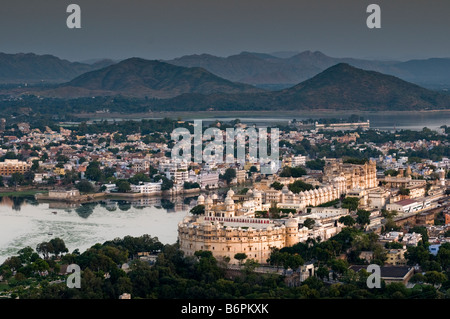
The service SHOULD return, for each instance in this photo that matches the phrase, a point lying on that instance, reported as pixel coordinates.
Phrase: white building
(298, 161)
(407, 206)
(210, 180)
(147, 188)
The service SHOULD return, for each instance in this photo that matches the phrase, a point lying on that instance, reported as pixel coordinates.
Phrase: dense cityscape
(220, 158)
(344, 196)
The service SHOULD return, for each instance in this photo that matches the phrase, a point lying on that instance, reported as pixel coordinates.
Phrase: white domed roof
(285, 189)
(230, 193)
(208, 200)
(229, 201)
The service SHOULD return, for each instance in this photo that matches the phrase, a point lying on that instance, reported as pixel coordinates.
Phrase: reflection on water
(85, 209)
(27, 222)
(16, 202)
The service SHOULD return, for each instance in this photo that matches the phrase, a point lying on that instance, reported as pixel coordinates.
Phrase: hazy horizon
(115, 29)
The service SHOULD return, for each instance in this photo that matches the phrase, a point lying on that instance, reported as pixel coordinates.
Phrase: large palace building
(223, 233)
(229, 227)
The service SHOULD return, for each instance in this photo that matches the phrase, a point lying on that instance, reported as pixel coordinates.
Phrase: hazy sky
(164, 29)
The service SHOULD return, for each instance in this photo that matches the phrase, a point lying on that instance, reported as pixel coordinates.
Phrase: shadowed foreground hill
(340, 87)
(137, 77)
(345, 87)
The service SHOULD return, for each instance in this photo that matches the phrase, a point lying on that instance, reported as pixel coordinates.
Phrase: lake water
(25, 222)
(378, 120)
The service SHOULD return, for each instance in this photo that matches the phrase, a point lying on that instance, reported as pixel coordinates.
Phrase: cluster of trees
(316, 164)
(296, 187)
(202, 276)
(191, 185)
(300, 186)
(228, 176)
(351, 203)
(292, 171)
(55, 246)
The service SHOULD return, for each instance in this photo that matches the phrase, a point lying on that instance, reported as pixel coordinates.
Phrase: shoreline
(96, 196)
(237, 114)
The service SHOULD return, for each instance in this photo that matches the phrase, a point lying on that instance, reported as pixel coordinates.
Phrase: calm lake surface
(25, 222)
(378, 120)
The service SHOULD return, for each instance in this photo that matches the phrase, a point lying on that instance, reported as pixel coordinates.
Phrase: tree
(123, 186)
(300, 186)
(189, 185)
(35, 165)
(347, 220)
(339, 266)
(292, 171)
(351, 203)
(198, 210)
(250, 266)
(417, 255)
(418, 278)
(276, 257)
(293, 261)
(58, 246)
(309, 223)
(44, 248)
(363, 217)
(435, 277)
(40, 265)
(404, 191)
(16, 179)
(84, 186)
(274, 211)
(277, 185)
(322, 272)
(13, 262)
(316, 164)
(139, 177)
(27, 255)
(240, 257)
(229, 174)
(443, 255)
(166, 183)
(93, 171)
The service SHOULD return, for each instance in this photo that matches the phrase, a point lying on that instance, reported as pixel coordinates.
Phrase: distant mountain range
(270, 71)
(202, 82)
(32, 68)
